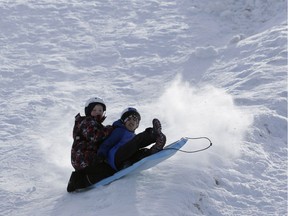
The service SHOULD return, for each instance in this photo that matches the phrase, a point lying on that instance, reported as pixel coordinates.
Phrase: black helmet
(128, 112)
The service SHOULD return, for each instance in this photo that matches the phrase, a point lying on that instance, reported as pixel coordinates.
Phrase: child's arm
(111, 141)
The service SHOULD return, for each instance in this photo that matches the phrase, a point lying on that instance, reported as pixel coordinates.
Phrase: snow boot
(160, 142)
(78, 180)
(160, 137)
(156, 126)
(72, 181)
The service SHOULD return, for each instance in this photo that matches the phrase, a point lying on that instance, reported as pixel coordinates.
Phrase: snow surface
(204, 68)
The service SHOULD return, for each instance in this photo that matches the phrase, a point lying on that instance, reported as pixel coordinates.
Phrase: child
(88, 133)
(123, 147)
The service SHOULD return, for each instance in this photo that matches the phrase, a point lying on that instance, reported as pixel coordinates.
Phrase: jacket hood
(119, 123)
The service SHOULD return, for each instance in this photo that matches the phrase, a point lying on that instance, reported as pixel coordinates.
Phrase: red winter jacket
(88, 133)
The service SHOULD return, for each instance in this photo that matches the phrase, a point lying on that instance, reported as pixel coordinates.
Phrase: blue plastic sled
(145, 163)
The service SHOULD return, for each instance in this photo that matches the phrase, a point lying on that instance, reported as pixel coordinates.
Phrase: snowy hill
(204, 68)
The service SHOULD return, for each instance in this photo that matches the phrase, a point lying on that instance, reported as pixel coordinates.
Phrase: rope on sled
(195, 151)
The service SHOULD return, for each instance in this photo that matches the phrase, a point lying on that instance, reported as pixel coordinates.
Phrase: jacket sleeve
(111, 141)
(91, 131)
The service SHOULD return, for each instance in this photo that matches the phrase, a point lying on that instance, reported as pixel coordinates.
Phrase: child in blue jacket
(123, 147)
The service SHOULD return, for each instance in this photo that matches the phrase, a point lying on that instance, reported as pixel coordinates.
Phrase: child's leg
(139, 155)
(98, 172)
(126, 151)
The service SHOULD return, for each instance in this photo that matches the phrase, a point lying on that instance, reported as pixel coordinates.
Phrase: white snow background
(204, 68)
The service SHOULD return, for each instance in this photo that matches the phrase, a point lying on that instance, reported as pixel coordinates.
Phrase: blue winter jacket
(119, 136)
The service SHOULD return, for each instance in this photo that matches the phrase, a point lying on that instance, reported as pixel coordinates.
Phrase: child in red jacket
(88, 133)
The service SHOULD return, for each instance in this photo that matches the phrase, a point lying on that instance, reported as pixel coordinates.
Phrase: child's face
(132, 123)
(97, 110)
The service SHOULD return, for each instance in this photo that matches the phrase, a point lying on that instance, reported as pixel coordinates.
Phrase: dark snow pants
(88, 176)
(134, 150)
